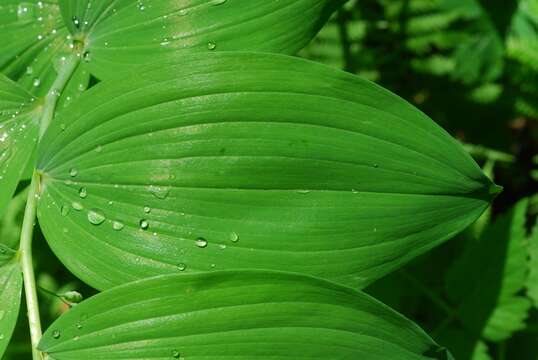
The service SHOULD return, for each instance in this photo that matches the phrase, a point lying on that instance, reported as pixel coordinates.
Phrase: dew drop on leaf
(56, 334)
(147, 209)
(96, 217)
(64, 210)
(77, 206)
(181, 266)
(144, 224)
(159, 192)
(82, 192)
(234, 237)
(73, 172)
(211, 45)
(176, 354)
(201, 242)
(117, 225)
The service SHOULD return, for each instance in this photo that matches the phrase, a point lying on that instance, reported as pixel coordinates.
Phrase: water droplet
(201, 242)
(36, 82)
(96, 217)
(56, 334)
(76, 22)
(181, 266)
(304, 192)
(29, 70)
(176, 354)
(1, 336)
(218, 2)
(82, 192)
(147, 209)
(64, 210)
(76, 338)
(159, 192)
(211, 45)
(24, 12)
(79, 326)
(234, 237)
(117, 225)
(99, 148)
(376, 165)
(141, 6)
(144, 224)
(73, 172)
(77, 206)
(2, 314)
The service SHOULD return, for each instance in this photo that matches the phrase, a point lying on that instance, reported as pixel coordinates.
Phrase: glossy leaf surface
(19, 126)
(250, 161)
(235, 315)
(122, 33)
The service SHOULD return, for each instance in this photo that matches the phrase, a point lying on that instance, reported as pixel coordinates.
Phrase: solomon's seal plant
(229, 200)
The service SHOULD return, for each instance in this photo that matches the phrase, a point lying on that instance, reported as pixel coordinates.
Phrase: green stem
(69, 66)
(28, 267)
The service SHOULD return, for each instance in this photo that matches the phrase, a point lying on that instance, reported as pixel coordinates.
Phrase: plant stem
(51, 99)
(69, 66)
(28, 267)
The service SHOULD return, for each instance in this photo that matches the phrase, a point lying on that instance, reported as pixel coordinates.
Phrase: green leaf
(532, 281)
(19, 126)
(250, 161)
(127, 32)
(10, 294)
(235, 315)
(488, 277)
(11, 222)
(36, 39)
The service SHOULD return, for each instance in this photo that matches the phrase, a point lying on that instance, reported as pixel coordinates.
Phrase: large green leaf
(487, 279)
(19, 127)
(235, 315)
(250, 161)
(121, 33)
(10, 294)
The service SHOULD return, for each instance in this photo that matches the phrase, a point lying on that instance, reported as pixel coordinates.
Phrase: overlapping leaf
(250, 161)
(19, 127)
(10, 294)
(121, 33)
(235, 315)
